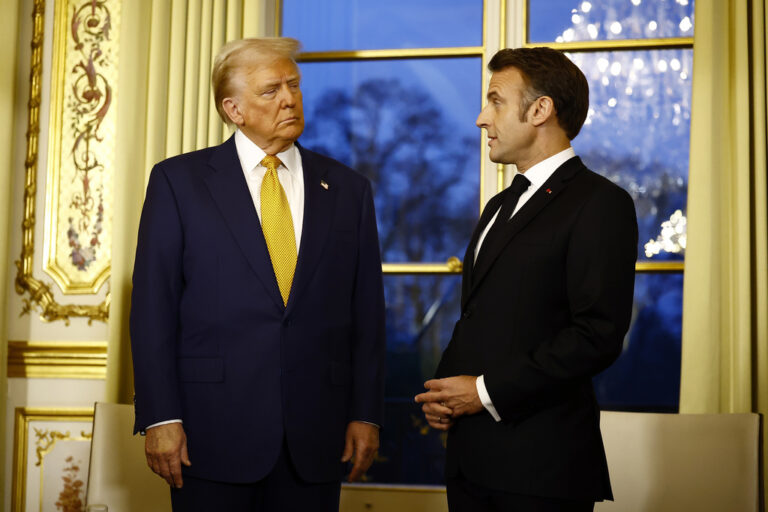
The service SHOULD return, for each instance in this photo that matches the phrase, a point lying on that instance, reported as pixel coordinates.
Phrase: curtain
(8, 101)
(165, 107)
(725, 300)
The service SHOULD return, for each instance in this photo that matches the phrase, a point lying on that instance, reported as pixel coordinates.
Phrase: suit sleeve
(157, 291)
(368, 321)
(600, 268)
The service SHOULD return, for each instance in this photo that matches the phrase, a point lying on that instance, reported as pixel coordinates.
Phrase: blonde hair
(236, 56)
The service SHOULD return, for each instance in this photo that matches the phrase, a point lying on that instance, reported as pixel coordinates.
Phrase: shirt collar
(251, 155)
(541, 172)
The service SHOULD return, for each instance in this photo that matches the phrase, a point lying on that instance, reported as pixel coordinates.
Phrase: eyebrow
(271, 83)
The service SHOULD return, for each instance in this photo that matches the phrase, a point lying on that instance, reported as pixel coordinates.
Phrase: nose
(288, 95)
(482, 119)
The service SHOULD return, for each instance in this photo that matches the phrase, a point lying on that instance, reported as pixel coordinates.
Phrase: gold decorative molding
(57, 360)
(38, 295)
(23, 417)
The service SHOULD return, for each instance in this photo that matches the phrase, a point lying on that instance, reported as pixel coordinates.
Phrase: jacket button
(467, 314)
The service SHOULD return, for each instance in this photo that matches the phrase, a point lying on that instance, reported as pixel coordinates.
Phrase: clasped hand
(449, 398)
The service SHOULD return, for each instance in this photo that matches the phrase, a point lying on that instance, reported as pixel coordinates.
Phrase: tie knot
(519, 184)
(271, 162)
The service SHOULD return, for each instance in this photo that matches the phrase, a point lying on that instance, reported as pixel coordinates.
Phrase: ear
(232, 110)
(542, 110)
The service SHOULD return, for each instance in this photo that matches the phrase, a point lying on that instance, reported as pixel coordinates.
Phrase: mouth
(288, 121)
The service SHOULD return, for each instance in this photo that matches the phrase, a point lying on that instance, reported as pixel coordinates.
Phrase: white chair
(676, 462)
(119, 479)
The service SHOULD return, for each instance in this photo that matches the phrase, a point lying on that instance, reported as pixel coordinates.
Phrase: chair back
(675, 462)
(119, 478)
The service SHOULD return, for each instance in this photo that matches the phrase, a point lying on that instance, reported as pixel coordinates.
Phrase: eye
(269, 92)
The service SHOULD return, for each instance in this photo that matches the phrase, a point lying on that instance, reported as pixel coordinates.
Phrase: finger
(430, 396)
(432, 384)
(185, 456)
(349, 450)
(164, 471)
(436, 409)
(440, 426)
(357, 470)
(174, 467)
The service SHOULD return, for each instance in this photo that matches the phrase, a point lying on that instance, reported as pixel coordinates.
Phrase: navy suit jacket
(545, 309)
(213, 343)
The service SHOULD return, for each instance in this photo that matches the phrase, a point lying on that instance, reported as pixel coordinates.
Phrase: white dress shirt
(291, 177)
(290, 174)
(537, 175)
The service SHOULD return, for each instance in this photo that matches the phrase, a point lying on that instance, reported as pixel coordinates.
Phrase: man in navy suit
(257, 317)
(546, 301)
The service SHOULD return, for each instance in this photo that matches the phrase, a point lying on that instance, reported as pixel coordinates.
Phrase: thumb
(349, 450)
(185, 455)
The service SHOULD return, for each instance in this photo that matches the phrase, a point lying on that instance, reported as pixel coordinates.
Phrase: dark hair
(549, 72)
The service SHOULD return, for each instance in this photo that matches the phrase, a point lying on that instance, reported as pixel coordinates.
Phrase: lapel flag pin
(324, 184)
(549, 191)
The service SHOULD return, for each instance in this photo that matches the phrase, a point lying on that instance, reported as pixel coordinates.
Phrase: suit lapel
(319, 203)
(230, 193)
(540, 199)
(469, 257)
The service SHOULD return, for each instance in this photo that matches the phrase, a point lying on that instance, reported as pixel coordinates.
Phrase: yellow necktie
(277, 224)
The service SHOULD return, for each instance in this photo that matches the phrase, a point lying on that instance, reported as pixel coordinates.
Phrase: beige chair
(680, 462)
(119, 479)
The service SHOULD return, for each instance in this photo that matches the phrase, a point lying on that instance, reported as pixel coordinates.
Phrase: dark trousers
(280, 491)
(466, 496)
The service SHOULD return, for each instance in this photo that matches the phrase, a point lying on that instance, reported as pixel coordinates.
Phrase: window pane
(585, 20)
(647, 374)
(373, 24)
(637, 134)
(421, 313)
(408, 125)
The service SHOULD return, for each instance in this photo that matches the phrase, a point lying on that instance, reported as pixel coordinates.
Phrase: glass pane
(637, 134)
(373, 24)
(646, 376)
(421, 313)
(408, 125)
(584, 20)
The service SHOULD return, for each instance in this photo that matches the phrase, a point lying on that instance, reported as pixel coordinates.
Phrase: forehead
(270, 68)
(506, 82)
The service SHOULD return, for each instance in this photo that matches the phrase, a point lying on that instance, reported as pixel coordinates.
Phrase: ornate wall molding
(77, 235)
(51, 428)
(57, 360)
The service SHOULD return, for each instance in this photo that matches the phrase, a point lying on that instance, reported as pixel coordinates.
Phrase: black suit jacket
(546, 309)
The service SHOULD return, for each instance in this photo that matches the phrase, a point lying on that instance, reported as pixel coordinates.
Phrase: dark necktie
(511, 196)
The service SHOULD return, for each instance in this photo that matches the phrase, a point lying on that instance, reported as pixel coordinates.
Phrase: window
(637, 56)
(398, 103)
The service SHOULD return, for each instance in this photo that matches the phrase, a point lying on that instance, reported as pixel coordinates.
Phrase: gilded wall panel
(51, 455)
(79, 168)
(81, 154)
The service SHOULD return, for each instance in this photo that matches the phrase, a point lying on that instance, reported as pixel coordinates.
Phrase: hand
(438, 416)
(459, 394)
(361, 446)
(166, 450)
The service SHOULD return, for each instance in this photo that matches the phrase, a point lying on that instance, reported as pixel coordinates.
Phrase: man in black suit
(546, 301)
